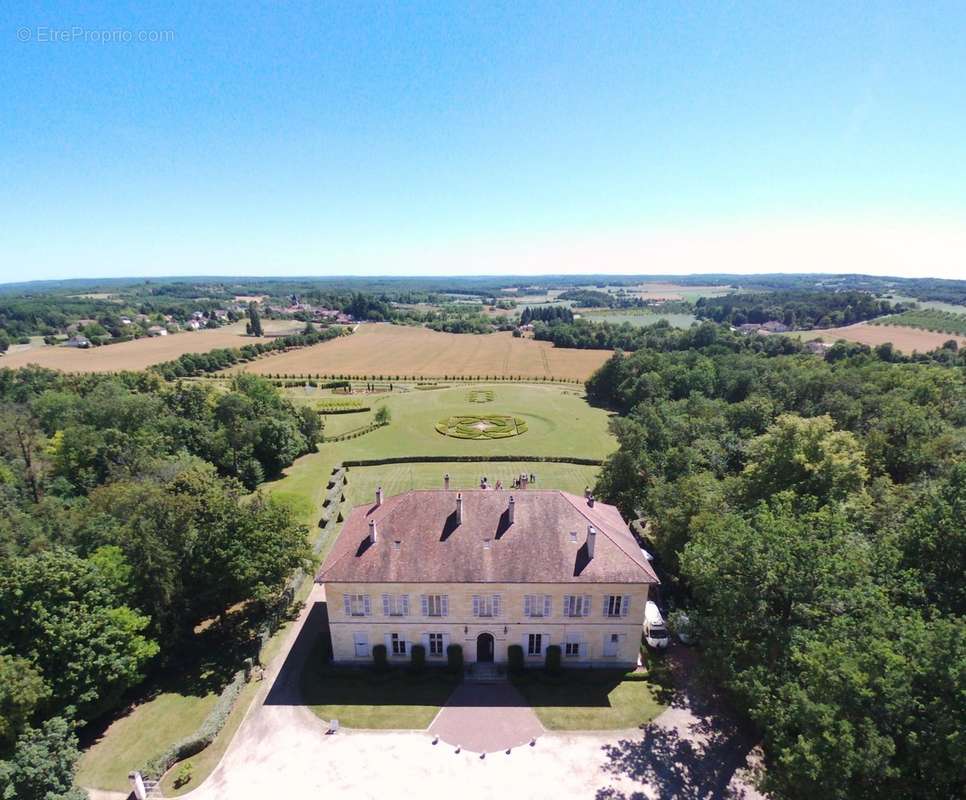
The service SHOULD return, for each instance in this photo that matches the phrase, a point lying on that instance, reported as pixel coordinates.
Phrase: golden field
(382, 349)
(903, 338)
(133, 355)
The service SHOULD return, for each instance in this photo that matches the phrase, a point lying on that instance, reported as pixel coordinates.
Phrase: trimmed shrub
(418, 657)
(380, 659)
(514, 657)
(454, 658)
(553, 659)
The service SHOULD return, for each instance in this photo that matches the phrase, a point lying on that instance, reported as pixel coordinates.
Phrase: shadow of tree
(699, 767)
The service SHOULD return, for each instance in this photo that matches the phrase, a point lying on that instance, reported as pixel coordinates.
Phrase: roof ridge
(571, 498)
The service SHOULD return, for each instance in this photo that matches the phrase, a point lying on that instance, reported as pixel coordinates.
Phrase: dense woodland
(125, 521)
(811, 516)
(796, 309)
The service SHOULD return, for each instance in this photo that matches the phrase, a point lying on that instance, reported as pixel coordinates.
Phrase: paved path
(281, 751)
(486, 717)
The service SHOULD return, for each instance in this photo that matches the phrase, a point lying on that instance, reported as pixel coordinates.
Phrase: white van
(655, 631)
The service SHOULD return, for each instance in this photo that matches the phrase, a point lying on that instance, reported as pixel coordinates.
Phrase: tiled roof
(419, 541)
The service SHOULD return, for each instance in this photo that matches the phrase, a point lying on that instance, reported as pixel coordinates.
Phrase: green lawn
(362, 698)
(141, 735)
(639, 318)
(592, 700)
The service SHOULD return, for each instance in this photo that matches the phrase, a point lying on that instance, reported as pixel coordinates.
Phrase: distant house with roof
(487, 569)
(157, 330)
(78, 341)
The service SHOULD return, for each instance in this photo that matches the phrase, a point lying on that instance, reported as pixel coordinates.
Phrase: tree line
(810, 514)
(801, 310)
(125, 522)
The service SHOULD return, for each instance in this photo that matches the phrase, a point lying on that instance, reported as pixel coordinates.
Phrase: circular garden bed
(481, 426)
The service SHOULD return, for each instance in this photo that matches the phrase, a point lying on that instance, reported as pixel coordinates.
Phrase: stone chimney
(591, 540)
(590, 500)
(459, 508)
(446, 482)
(378, 495)
(511, 509)
(372, 531)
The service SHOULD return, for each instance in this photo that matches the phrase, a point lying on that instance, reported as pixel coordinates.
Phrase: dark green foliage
(809, 514)
(552, 659)
(454, 659)
(418, 657)
(514, 657)
(254, 319)
(800, 310)
(41, 766)
(380, 659)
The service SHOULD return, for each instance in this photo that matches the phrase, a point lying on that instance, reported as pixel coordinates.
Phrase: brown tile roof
(536, 548)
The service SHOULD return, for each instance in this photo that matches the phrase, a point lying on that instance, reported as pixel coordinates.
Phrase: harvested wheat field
(903, 338)
(382, 349)
(133, 355)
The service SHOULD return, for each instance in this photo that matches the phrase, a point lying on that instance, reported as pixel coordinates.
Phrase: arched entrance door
(484, 647)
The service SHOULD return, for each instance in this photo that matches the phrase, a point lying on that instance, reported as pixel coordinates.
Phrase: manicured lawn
(362, 698)
(139, 736)
(396, 478)
(592, 700)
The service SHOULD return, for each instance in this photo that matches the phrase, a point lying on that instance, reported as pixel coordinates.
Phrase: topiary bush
(514, 657)
(454, 659)
(553, 659)
(418, 657)
(380, 658)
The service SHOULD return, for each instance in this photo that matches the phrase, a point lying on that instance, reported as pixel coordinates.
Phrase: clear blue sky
(339, 138)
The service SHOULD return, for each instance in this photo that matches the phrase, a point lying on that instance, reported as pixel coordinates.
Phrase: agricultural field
(929, 319)
(637, 318)
(136, 354)
(654, 290)
(904, 339)
(382, 349)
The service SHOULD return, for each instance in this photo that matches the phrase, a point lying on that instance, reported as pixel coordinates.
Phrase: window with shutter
(496, 605)
(567, 599)
(386, 610)
(528, 605)
(404, 610)
(424, 605)
(625, 605)
(347, 605)
(476, 605)
(546, 605)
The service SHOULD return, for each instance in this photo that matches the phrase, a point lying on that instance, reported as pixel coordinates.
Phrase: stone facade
(607, 631)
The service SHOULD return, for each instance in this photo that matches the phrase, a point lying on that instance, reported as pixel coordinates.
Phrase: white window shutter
(366, 605)
(405, 605)
(444, 604)
(426, 643)
(385, 605)
(605, 605)
(476, 605)
(526, 605)
(625, 605)
(445, 642)
(586, 605)
(347, 605)
(496, 605)
(546, 605)
(388, 641)
(526, 644)
(567, 598)
(424, 605)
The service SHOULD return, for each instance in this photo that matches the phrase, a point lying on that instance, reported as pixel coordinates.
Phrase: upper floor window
(434, 605)
(616, 605)
(395, 605)
(486, 605)
(356, 605)
(536, 605)
(576, 605)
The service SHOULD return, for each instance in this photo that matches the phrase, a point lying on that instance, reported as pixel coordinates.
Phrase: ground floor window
(361, 643)
(572, 649)
(398, 645)
(535, 644)
(611, 644)
(436, 644)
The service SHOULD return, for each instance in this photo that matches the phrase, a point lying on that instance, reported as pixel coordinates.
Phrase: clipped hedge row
(501, 426)
(202, 737)
(343, 409)
(466, 459)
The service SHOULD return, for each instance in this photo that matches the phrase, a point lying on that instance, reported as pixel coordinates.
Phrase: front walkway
(486, 717)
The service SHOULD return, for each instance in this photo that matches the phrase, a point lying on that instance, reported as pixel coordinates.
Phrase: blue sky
(419, 138)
